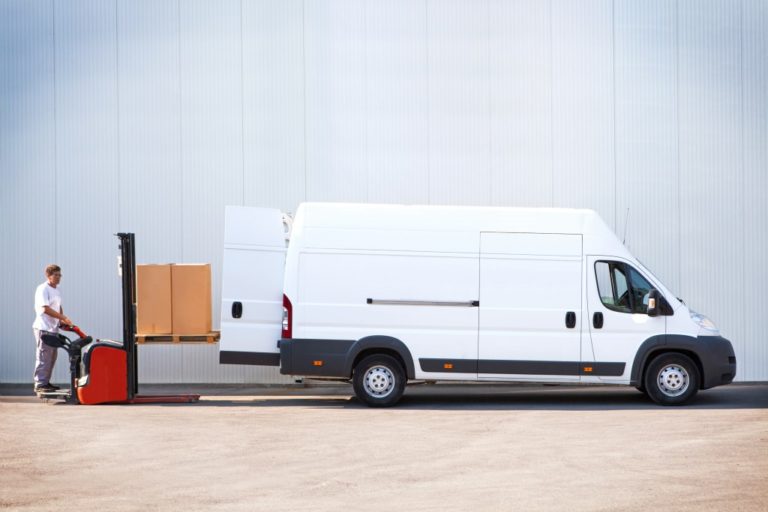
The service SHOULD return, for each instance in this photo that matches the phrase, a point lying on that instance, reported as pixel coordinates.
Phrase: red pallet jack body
(105, 371)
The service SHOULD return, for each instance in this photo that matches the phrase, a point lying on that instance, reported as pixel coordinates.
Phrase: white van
(382, 294)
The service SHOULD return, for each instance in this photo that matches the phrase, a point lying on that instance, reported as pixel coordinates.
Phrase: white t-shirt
(47, 295)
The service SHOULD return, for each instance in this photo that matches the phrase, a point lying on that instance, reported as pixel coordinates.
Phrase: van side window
(621, 287)
(612, 286)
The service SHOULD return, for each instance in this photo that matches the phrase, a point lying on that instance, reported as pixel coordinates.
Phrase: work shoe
(44, 388)
(53, 386)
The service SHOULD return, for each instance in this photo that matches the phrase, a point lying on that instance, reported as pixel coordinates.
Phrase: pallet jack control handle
(73, 328)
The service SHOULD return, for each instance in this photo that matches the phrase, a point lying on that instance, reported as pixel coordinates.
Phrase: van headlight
(704, 322)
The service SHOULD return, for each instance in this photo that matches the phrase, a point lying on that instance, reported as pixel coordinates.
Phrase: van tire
(671, 379)
(379, 380)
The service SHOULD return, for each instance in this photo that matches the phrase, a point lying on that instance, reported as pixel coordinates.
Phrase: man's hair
(52, 269)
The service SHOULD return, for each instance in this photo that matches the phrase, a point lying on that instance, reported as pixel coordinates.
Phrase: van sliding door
(530, 306)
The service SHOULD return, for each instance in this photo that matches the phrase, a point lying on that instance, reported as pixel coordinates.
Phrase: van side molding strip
(383, 302)
(255, 358)
(513, 367)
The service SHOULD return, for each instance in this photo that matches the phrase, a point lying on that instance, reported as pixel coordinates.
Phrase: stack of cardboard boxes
(173, 299)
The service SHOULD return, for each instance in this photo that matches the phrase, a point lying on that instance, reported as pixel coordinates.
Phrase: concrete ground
(443, 448)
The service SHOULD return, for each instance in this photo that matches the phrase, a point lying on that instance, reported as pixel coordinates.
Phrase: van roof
(451, 218)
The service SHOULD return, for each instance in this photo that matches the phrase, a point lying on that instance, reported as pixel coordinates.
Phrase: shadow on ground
(443, 397)
(518, 398)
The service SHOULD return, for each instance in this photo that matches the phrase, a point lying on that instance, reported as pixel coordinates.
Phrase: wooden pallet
(211, 337)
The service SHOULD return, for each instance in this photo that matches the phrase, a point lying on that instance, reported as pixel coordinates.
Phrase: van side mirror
(657, 304)
(653, 303)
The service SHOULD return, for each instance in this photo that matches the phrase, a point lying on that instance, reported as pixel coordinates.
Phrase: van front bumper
(715, 353)
(718, 361)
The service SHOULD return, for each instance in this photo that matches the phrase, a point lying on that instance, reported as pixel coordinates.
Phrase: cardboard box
(153, 299)
(191, 298)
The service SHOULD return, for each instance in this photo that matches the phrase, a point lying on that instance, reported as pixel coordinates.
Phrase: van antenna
(626, 220)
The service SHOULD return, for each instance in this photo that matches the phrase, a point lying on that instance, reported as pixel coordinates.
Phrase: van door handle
(237, 309)
(570, 319)
(597, 320)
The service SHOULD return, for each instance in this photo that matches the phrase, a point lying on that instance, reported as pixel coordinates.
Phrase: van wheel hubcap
(379, 381)
(673, 380)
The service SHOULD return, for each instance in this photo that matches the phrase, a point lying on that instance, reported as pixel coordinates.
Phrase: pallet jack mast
(105, 371)
(127, 271)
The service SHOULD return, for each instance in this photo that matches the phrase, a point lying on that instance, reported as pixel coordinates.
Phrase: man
(49, 315)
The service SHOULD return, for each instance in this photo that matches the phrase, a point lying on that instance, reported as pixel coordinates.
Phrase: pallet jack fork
(104, 371)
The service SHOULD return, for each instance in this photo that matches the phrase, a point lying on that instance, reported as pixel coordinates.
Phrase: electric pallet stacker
(106, 371)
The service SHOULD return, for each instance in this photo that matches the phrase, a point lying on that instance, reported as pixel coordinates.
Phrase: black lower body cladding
(715, 353)
(316, 358)
(336, 358)
(718, 361)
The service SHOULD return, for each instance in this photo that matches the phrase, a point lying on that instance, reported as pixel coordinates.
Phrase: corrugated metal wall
(151, 115)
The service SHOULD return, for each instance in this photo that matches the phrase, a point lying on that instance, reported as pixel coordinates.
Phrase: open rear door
(252, 286)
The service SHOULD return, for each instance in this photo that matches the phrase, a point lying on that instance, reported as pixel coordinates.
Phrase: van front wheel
(672, 379)
(379, 380)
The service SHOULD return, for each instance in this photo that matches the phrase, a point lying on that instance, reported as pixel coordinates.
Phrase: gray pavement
(445, 447)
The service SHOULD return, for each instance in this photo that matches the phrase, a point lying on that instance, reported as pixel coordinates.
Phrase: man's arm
(55, 314)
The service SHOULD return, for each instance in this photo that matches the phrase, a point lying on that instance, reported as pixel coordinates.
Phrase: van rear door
(252, 286)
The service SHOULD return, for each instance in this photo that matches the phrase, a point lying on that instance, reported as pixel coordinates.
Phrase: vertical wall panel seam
(181, 135)
(551, 107)
(679, 166)
(117, 110)
(304, 71)
(429, 121)
(55, 146)
(367, 105)
(490, 106)
(615, 169)
(242, 103)
(742, 344)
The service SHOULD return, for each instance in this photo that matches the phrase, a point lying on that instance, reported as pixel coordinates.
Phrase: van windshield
(644, 268)
(641, 289)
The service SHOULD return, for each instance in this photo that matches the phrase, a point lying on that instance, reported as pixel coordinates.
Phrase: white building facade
(149, 116)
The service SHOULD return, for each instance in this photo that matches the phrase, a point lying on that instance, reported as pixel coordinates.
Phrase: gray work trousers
(44, 361)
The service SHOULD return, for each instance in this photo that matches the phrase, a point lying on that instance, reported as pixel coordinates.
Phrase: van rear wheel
(379, 380)
(671, 379)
